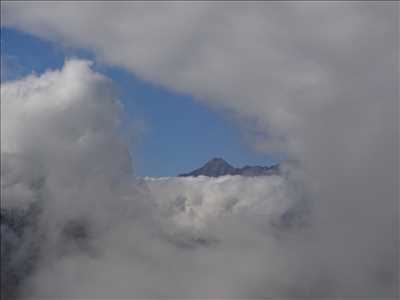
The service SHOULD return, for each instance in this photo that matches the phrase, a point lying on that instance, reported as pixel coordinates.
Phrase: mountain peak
(219, 167)
(213, 168)
(217, 161)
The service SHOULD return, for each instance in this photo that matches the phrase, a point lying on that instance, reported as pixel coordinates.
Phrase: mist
(317, 83)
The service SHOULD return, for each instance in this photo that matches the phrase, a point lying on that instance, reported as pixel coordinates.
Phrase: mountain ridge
(217, 167)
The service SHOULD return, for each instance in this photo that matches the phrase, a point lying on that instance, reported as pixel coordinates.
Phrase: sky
(174, 133)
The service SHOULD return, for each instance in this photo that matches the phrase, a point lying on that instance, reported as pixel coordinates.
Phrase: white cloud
(281, 64)
(64, 123)
(319, 80)
(193, 203)
(100, 233)
(61, 152)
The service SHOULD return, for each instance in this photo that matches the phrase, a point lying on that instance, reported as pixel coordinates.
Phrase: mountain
(219, 167)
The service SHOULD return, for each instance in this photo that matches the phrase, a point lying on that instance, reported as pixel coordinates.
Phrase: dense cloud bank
(318, 82)
(76, 224)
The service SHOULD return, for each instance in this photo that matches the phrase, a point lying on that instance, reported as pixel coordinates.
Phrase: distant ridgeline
(219, 167)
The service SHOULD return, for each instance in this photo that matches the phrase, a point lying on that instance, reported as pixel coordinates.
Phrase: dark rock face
(219, 167)
(213, 168)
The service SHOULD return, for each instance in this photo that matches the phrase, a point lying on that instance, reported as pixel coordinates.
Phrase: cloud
(279, 64)
(86, 228)
(65, 117)
(194, 202)
(319, 81)
(62, 159)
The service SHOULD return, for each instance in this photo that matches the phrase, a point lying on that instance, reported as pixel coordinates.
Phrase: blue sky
(176, 133)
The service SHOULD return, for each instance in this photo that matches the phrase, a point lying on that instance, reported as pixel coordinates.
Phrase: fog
(317, 83)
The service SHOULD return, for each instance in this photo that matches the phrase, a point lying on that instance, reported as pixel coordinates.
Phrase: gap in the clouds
(179, 133)
(176, 134)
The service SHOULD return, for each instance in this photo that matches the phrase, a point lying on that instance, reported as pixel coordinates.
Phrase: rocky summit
(219, 167)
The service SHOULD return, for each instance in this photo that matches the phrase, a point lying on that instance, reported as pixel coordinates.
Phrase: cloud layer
(281, 65)
(94, 231)
(318, 82)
